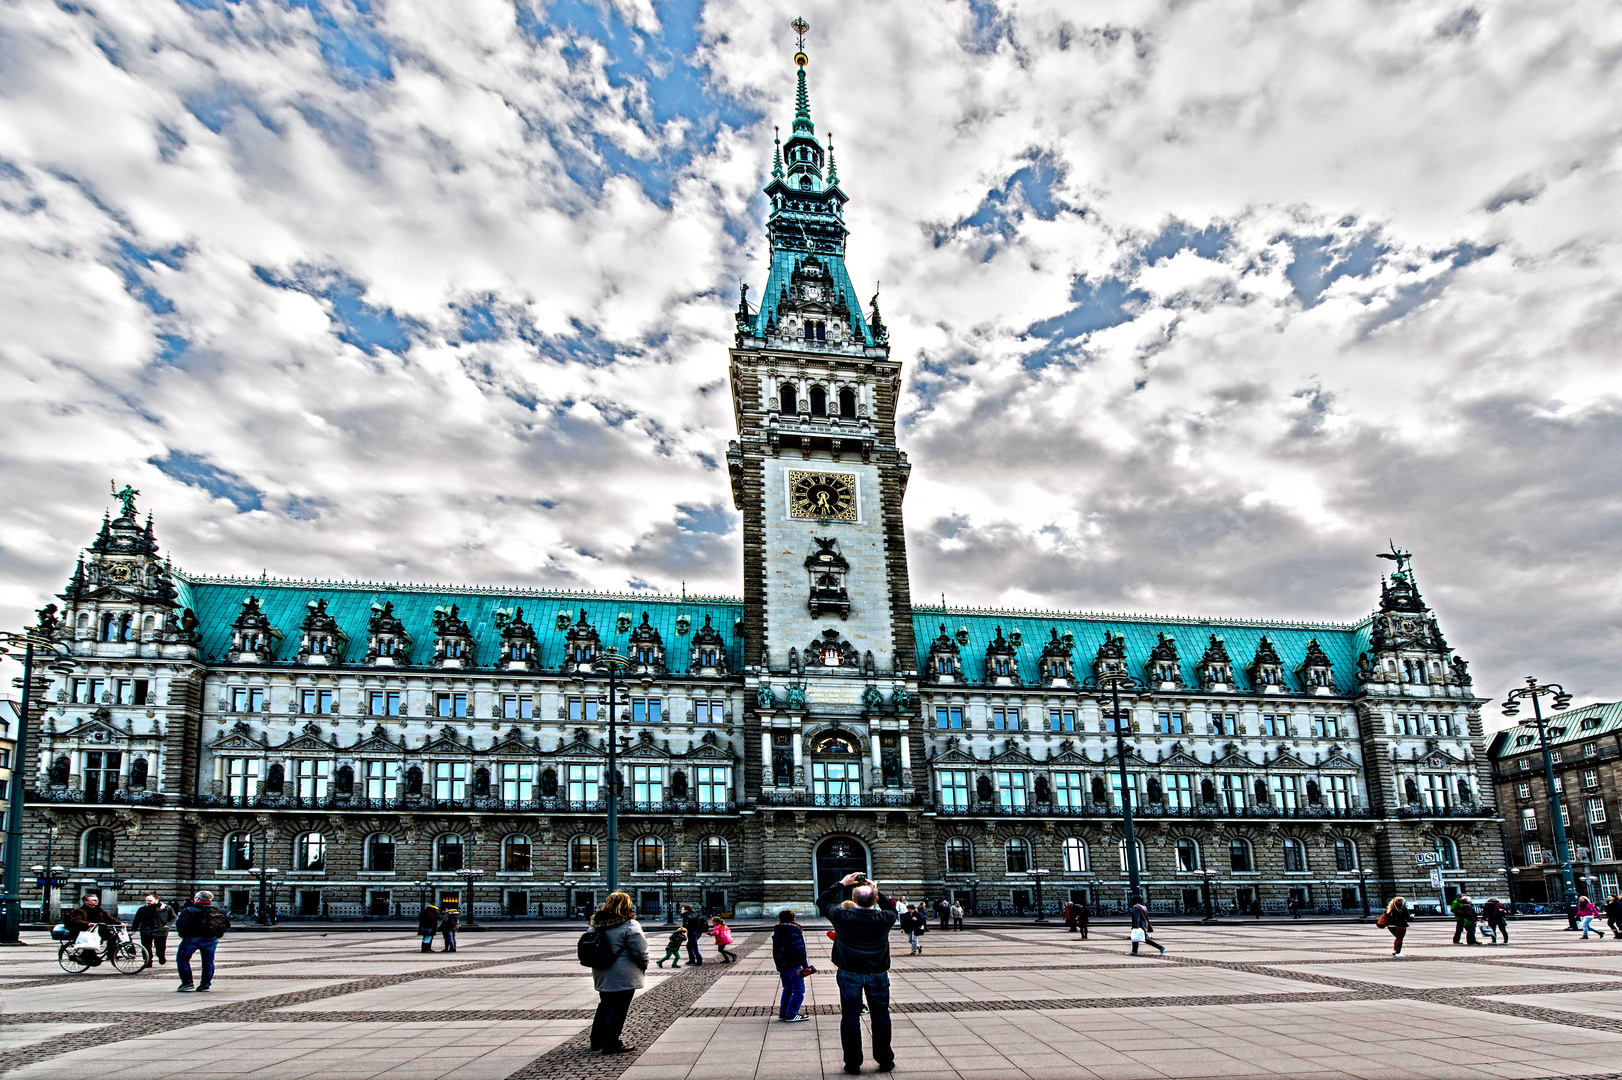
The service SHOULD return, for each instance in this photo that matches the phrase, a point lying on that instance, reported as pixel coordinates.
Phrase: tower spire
(777, 153)
(833, 170)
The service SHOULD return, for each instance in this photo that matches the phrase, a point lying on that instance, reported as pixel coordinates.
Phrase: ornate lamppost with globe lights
(1535, 692)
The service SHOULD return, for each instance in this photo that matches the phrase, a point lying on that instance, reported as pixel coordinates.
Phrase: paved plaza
(1298, 999)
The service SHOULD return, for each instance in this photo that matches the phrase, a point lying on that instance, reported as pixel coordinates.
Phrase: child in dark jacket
(673, 948)
(788, 954)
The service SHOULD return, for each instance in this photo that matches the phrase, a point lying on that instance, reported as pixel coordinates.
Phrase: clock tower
(815, 471)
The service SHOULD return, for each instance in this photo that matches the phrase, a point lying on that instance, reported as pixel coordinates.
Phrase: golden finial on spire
(800, 27)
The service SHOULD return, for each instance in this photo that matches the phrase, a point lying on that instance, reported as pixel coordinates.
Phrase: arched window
(583, 855)
(98, 849)
(413, 781)
(380, 852)
(1447, 853)
(847, 403)
(1295, 856)
(650, 854)
(819, 401)
(1345, 855)
(788, 400)
(1142, 861)
(1239, 859)
(138, 773)
(1075, 855)
(712, 855)
(1017, 856)
(310, 852)
(834, 743)
(109, 626)
(960, 855)
(481, 782)
(238, 852)
(1188, 855)
(448, 852)
(516, 854)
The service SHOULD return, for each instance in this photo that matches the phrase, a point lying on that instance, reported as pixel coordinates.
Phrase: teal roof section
(1565, 728)
(784, 263)
(217, 601)
(1339, 641)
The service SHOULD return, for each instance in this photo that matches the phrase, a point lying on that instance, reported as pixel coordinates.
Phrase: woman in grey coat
(624, 977)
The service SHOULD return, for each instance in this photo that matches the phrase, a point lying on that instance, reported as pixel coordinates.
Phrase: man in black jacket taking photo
(862, 955)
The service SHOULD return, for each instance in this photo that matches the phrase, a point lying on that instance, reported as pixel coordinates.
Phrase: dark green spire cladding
(802, 109)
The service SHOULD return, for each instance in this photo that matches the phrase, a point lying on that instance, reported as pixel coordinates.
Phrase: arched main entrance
(837, 856)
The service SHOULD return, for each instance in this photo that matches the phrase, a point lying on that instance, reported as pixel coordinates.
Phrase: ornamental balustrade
(412, 802)
(862, 798)
(1094, 810)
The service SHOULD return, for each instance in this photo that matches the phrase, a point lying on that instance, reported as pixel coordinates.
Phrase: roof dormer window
(816, 330)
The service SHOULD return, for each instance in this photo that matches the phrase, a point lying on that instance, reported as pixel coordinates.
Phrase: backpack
(209, 922)
(594, 951)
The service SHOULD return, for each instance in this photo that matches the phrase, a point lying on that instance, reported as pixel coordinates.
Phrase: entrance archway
(837, 856)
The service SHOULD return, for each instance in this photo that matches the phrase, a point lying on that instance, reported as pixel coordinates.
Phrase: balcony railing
(1149, 811)
(122, 796)
(862, 798)
(480, 802)
(1467, 810)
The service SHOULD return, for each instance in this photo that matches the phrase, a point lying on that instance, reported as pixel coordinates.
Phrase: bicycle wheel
(126, 957)
(68, 958)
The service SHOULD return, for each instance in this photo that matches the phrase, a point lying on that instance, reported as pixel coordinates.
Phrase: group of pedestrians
(199, 925)
(1587, 912)
(433, 920)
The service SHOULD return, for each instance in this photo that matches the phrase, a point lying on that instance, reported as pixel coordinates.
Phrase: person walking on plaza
(1464, 920)
(449, 920)
(1613, 915)
(200, 927)
(913, 924)
(428, 926)
(943, 910)
(617, 982)
(1142, 927)
(1495, 914)
(696, 928)
(722, 933)
(862, 955)
(1082, 917)
(152, 922)
(1586, 914)
(1396, 918)
(788, 956)
(1295, 906)
(673, 948)
(957, 914)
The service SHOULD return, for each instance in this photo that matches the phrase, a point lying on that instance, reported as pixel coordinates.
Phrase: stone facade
(370, 742)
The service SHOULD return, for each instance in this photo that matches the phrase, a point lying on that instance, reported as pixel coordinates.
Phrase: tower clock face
(822, 496)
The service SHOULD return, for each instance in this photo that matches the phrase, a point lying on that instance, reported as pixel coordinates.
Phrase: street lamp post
(265, 875)
(422, 892)
(52, 878)
(1115, 679)
(1206, 874)
(568, 898)
(974, 895)
(38, 638)
(1562, 700)
(472, 877)
(1363, 887)
(669, 877)
(612, 663)
(1039, 874)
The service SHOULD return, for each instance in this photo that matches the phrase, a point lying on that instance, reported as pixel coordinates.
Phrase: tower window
(847, 403)
(819, 401)
(816, 330)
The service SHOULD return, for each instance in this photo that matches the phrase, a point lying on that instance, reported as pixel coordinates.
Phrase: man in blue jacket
(200, 926)
(788, 953)
(862, 955)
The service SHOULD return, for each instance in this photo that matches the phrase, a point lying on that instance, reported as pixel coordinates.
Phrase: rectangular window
(1224, 724)
(1559, 784)
(517, 781)
(1178, 790)
(648, 783)
(582, 710)
(1004, 719)
(1434, 792)
(709, 712)
(1590, 749)
(383, 703)
(1565, 816)
(1326, 727)
(948, 718)
(1596, 811)
(1590, 778)
(452, 704)
(1062, 720)
(1011, 790)
(89, 691)
(130, 691)
(382, 781)
(1171, 723)
(713, 784)
(954, 788)
(1068, 789)
(1286, 792)
(5, 758)
(244, 698)
(1338, 792)
(1275, 726)
(1116, 721)
(1232, 793)
(1529, 820)
(1602, 846)
(646, 711)
(1523, 790)
(313, 777)
(315, 701)
(518, 706)
(582, 782)
(1534, 853)
(1444, 725)
(242, 777)
(1115, 789)
(450, 781)
(1607, 884)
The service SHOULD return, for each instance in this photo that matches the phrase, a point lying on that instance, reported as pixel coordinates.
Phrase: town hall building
(376, 744)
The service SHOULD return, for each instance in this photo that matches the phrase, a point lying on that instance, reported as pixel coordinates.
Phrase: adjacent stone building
(374, 742)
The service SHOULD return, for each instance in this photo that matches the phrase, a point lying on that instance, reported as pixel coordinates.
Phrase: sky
(1200, 304)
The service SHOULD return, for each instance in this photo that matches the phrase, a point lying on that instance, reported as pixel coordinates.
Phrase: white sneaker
(1399, 956)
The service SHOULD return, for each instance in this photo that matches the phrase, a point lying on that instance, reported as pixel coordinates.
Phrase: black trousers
(613, 1007)
(155, 941)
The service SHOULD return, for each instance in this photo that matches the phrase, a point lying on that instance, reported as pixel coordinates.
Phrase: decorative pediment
(1287, 760)
(1163, 666)
(1056, 665)
(1215, 667)
(1110, 659)
(1182, 759)
(1338, 759)
(512, 744)
(707, 751)
(1232, 758)
(1067, 755)
(831, 651)
(97, 727)
(1437, 758)
(1133, 759)
(310, 738)
(954, 754)
(240, 737)
(1012, 754)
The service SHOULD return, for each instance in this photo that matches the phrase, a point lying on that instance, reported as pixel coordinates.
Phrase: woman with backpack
(1396, 918)
(617, 952)
(723, 937)
(913, 924)
(428, 926)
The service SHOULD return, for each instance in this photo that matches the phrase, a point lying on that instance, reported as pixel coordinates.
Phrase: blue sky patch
(1320, 261)
(1098, 307)
(195, 472)
(1208, 243)
(365, 326)
(1028, 189)
(353, 50)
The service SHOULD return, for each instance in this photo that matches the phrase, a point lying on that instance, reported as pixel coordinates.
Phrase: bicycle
(123, 952)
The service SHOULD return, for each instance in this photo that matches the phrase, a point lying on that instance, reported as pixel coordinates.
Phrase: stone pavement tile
(1608, 961)
(15, 1035)
(1596, 1003)
(91, 993)
(984, 986)
(1427, 974)
(457, 995)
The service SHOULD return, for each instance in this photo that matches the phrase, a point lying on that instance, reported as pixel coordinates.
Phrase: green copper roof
(1240, 636)
(218, 601)
(1572, 726)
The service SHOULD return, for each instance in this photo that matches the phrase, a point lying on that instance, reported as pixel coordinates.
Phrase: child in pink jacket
(723, 937)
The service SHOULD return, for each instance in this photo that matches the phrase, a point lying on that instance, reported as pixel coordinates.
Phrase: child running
(673, 947)
(723, 937)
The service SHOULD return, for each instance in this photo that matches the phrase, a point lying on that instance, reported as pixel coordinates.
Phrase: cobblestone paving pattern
(1001, 1000)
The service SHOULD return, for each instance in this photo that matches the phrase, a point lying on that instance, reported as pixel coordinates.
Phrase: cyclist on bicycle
(90, 913)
